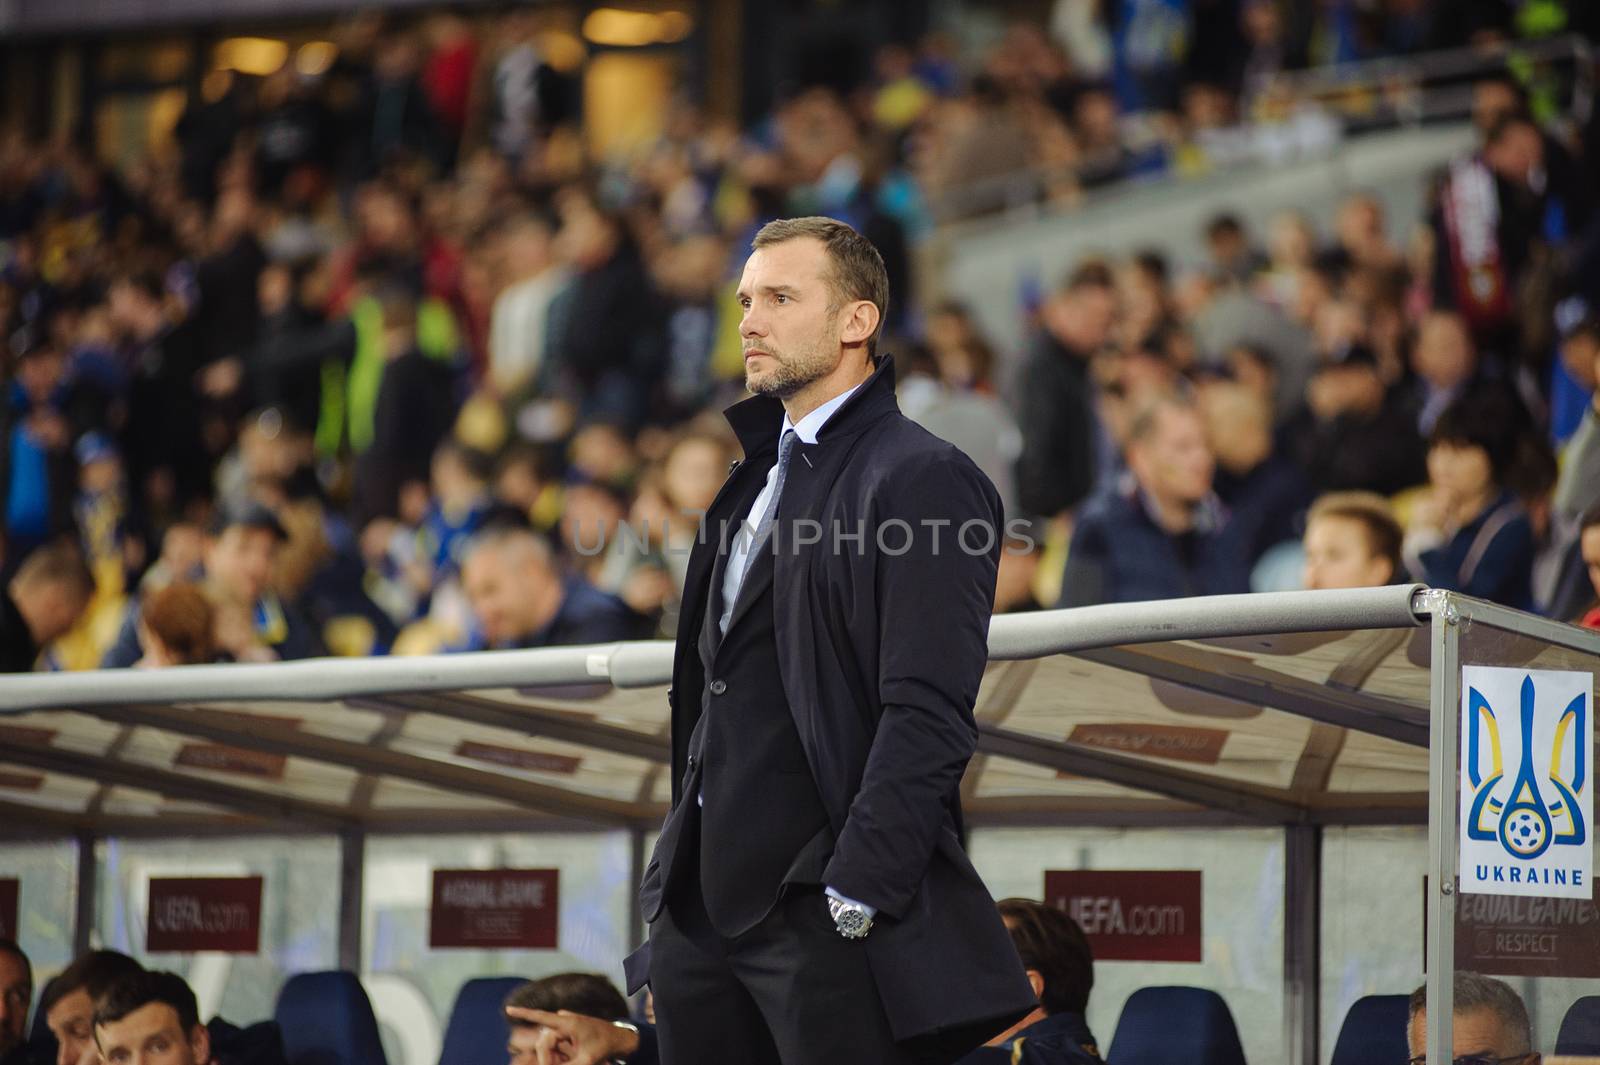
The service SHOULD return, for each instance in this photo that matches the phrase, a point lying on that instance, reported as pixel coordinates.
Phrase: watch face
(853, 923)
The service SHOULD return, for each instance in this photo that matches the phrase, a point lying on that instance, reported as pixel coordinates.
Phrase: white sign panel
(1527, 798)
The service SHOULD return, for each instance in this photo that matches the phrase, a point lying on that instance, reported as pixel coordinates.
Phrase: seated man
(520, 599)
(239, 555)
(577, 1018)
(1489, 1023)
(68, 1002)
(1352, 541)
(1060, 967)
(150, 1018)
(16, 995)
(1164, 535)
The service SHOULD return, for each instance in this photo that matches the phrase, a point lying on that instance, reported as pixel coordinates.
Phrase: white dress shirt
(739, 550)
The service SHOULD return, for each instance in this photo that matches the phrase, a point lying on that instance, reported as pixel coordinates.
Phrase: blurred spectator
(285, 368)
(1579, 487)
(1231, 252)
(43, 601)
(238, 556)
(1355, 433)
(1352, 541)
(954, 400)
(521, 318)
(521, 480)
(1055, 397)
(16, 995)
(1362, 230)
(1472, 535)
(182, 556)
(1225, 316)
(113, 544)
(460, 503)
(447, 77)
(162, 439)
(67, 1002)
(522, 97)
(603, 350)
(403, 126)
(1589, 541)
(1264, 491)
(177, 627)
(415, 405)
(1060, 967)
(291, 132)
(647, 568)
(1487, 229)
(1292, 246)
(1446, 365)
(1561, 581)
(519, 599)
(1017, 579)
(1164, 535)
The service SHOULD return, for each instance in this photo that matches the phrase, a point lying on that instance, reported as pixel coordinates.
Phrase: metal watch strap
(630, 1026)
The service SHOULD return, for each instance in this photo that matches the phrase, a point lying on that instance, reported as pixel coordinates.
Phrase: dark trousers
(790, 991)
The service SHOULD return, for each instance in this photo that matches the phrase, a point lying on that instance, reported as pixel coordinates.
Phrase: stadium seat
(1175, 1026)
(1580, 1028)
(327, 1020)
(1374, 1032)
(477, 1031)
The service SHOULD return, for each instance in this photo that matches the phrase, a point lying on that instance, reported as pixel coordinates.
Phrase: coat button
(691, 761)
(718, 686)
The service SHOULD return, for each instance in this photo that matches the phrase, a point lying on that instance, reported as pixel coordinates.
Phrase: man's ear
(1036, 981)
(200, 1043)
(861, 321)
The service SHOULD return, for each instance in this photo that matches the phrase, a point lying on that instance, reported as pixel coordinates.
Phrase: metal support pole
(352, 869)
(1302, 944)
(636, 860)
(88, 889)
(1443, 747)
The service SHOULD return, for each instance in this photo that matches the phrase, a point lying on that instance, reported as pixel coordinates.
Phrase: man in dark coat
(1163, 534)
(809, 899)
(520, 598)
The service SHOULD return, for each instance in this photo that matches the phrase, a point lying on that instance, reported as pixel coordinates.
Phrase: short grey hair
(1474, 992)
(501, 536)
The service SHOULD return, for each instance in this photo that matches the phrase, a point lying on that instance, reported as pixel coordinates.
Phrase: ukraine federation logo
(1526, 799)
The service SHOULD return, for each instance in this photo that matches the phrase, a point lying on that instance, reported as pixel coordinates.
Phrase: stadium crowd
(383, 361)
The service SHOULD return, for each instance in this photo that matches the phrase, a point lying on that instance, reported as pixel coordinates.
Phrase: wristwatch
(626, 1026)
(850, 918)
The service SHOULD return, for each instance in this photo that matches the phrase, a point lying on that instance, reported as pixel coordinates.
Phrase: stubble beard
(790, 373)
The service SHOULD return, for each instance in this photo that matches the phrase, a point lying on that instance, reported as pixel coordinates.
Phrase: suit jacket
(881, 643)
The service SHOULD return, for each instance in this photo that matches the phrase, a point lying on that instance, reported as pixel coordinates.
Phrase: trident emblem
(1525, 825)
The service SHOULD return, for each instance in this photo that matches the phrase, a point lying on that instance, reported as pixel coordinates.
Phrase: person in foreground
(575, 1019)
(150, 1018)
(16, 992)
(809, 899)
(1060, 967)
(1489, 1025)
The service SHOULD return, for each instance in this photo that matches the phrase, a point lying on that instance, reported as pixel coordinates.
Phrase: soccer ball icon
(1524, 833)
